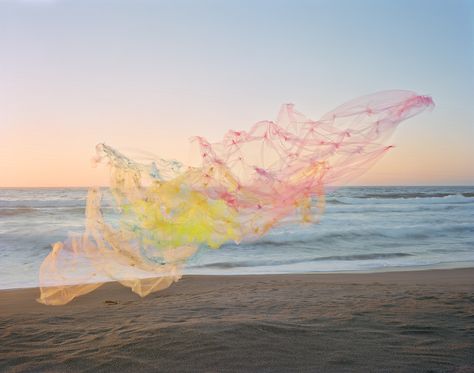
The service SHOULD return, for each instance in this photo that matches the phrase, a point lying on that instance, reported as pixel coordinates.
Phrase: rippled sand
(405, 321)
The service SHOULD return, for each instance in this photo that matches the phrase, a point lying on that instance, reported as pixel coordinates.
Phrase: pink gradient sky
(148, 75)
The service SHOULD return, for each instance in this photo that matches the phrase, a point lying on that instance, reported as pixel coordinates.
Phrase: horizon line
(331, 186)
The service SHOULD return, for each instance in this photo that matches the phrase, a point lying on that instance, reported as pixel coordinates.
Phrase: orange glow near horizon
(39, 160)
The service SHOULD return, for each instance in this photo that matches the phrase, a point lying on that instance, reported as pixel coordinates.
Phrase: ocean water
(363, 229)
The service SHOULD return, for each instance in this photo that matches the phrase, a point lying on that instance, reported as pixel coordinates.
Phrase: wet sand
(419, 321)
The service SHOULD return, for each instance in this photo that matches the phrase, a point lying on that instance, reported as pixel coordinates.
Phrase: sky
(148, 75)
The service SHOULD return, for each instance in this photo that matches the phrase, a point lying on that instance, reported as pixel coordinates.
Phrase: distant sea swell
(363, 229)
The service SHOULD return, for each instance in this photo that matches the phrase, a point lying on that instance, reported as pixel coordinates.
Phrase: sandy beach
(415, 321)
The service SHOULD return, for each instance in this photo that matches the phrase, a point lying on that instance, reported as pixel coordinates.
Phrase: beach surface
(416, 321)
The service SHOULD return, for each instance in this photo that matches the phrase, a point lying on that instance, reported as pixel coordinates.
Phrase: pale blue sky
(149, 74)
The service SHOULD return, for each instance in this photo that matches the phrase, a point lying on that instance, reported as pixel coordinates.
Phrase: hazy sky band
(148, 75)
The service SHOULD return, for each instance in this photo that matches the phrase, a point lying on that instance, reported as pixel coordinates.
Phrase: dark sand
(393, 322)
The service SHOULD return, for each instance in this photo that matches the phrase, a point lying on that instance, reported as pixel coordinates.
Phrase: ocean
(363, 229)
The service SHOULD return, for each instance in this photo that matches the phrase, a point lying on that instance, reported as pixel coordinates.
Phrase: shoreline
(391, 321)
(410, 269)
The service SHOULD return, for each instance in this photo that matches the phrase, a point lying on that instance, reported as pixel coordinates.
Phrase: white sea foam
(363, 229)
